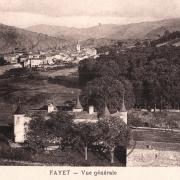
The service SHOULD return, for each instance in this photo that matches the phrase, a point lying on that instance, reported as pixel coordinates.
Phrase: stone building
(20, 124)
(22, 118)
(92, 116)
(83, 116)
(122, 114)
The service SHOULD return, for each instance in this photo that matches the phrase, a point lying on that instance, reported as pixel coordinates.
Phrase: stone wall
(150, 154)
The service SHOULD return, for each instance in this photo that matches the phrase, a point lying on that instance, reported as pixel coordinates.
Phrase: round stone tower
(20, 124)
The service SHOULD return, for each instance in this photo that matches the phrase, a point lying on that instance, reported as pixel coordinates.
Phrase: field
(162, 119)
(38, 91)
(62, 72)
(5, 68)
(156, 135)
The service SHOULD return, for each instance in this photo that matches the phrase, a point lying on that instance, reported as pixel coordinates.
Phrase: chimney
(91, 109)
(51, 108)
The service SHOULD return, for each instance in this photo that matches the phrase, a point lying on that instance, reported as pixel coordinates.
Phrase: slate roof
(78, 104)
(45, 107)
(123, 108)
(19, 109)
(106, 111)
(85, 115)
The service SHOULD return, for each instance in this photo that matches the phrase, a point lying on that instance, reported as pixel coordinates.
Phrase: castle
(22, 119)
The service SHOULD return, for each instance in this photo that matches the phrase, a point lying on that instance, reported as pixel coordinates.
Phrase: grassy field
(66, 157)
(155, 136)
(62, 72)
(36, 92)
(154, 120)
(5, 68)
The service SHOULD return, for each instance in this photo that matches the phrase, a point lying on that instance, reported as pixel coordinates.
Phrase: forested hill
(171, 38)
(11, 38)
(149, 77)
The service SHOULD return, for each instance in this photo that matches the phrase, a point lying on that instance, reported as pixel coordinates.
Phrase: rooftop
(106, 110)
(19, 109)
(85, 115)
(78, 104)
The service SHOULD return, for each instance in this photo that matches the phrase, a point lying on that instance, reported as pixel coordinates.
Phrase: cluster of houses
(50, 58)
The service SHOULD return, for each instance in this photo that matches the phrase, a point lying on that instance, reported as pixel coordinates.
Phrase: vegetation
(168, 36)
(86, 134)
(165, 120)
(54, 129)
(148, 76)
(59, 130)
(114, 133)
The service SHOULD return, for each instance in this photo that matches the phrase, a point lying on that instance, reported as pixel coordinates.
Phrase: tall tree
(54, 128)
(114, 133)
(87, 134)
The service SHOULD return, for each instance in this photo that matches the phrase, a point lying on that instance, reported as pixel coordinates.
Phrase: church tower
(123, 112)
(78, 47)
(20, 124)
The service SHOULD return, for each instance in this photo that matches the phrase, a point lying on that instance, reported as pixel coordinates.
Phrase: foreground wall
(150, 154)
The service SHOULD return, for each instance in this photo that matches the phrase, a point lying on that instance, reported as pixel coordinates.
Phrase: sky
(85, 13)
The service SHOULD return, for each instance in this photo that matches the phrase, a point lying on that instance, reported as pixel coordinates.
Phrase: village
(50, 58)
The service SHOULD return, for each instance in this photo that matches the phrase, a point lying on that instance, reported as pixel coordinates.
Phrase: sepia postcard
(90, 89)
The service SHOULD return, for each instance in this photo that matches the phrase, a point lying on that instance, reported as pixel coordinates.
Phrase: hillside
(98, 42)
(142, 30)
(12, 37)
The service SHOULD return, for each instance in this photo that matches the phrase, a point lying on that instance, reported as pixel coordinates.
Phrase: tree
(43, 130)
(114, 132)
(109, 90)
(87, 134)
(37, 133)
(60, 124)
(152, 75)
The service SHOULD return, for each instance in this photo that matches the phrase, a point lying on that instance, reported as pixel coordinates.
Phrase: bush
(16, 154)
(135, 121)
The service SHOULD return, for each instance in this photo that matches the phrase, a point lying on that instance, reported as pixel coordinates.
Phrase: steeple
(78, 47)
(19, 109)
(78, 107)
(106, 110)
(78, 104)
(123, 108)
